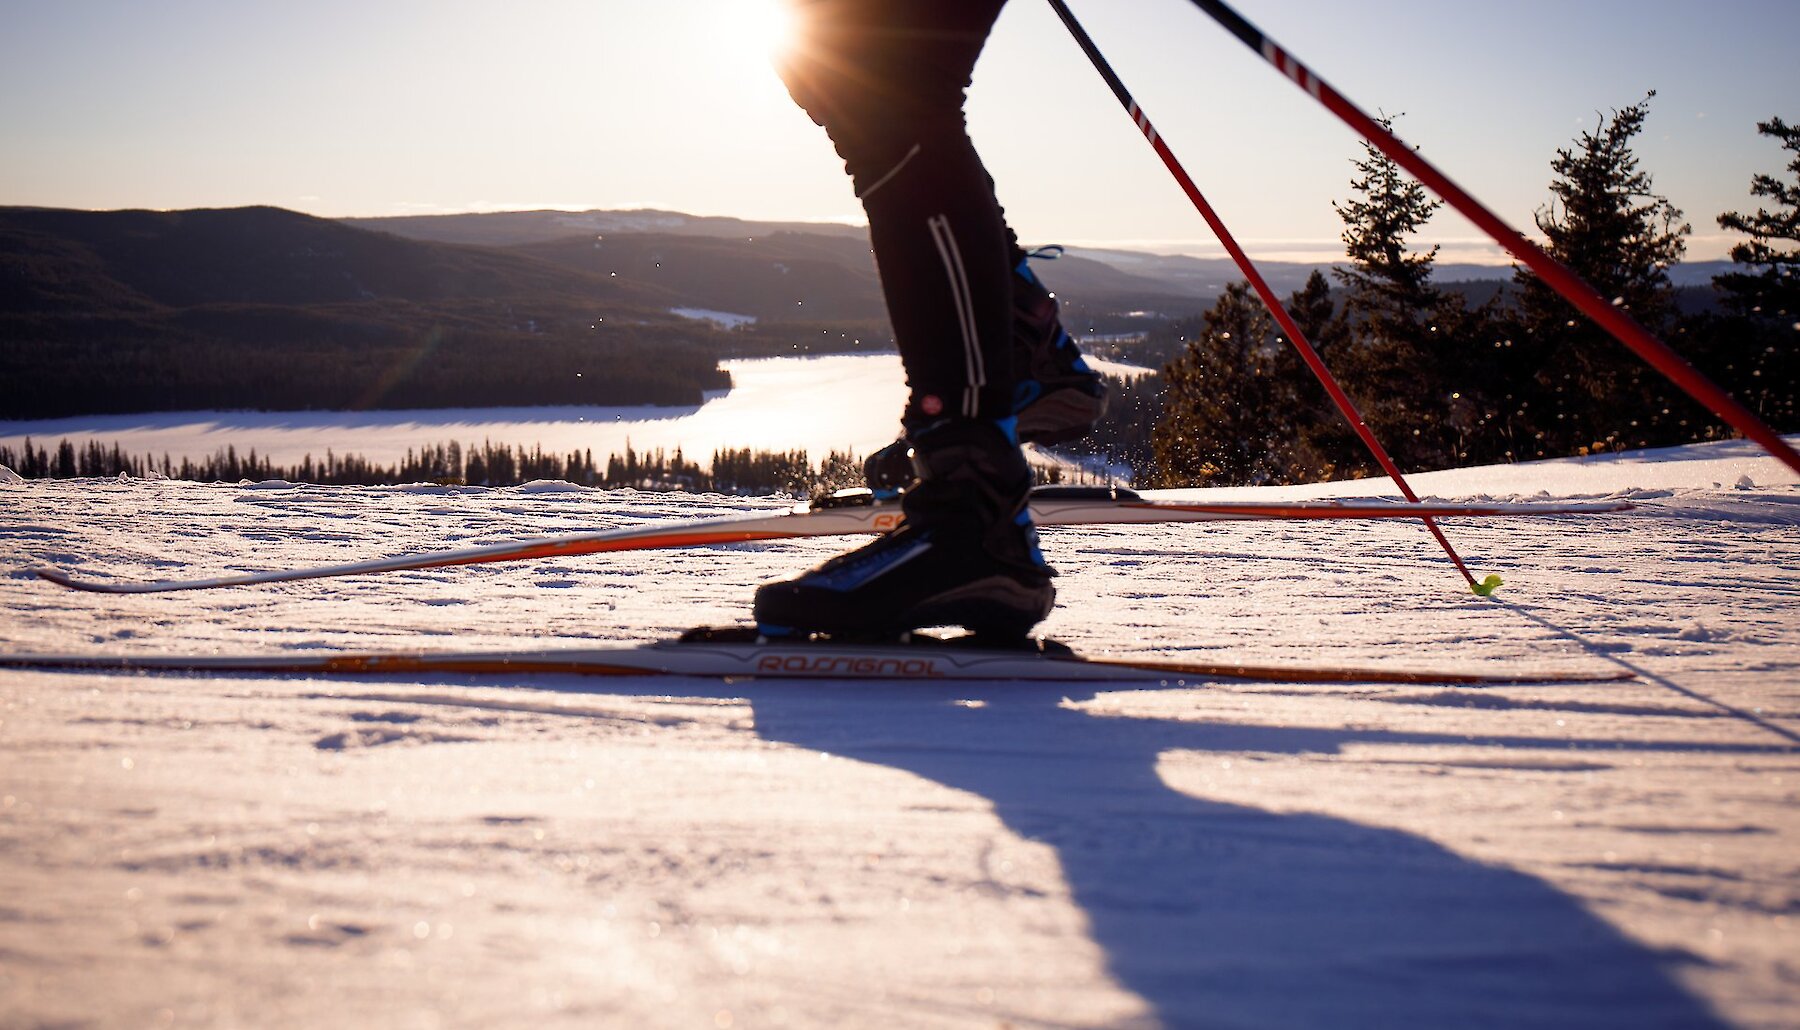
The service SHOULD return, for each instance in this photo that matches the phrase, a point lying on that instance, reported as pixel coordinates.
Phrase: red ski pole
(1261, 286)
(1554, 273)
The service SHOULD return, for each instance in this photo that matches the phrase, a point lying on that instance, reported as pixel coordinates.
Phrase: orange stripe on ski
(472, 665)
(1310, 674)
(555, 549)
(1320, 510)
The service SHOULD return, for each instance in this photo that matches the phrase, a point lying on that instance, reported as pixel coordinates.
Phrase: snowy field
(816, 404)
(479, 851)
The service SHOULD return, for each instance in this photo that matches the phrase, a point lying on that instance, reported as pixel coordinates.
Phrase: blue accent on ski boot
(1058, 396)
(1010, 427)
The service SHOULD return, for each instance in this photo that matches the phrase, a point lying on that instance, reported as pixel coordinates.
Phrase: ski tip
(1486, 587)
(63, 579)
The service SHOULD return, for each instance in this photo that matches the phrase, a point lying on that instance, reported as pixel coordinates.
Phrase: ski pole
(1261, 286)
(1557, 275)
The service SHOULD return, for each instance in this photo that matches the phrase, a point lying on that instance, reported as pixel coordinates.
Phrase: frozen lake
(815, 404)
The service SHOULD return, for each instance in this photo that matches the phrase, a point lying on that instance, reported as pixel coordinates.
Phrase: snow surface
(1121, 369)
(239, 850)
(727, 319)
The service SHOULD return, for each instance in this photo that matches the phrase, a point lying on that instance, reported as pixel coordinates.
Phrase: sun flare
(751, 30)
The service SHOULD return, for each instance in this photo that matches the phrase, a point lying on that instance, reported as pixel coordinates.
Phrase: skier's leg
(1057, 396)
(886, 80)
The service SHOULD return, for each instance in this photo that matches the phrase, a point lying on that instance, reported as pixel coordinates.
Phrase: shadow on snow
(1225, 915)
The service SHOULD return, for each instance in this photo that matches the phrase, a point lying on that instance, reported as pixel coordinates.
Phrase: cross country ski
(739, 653)
(856, 512)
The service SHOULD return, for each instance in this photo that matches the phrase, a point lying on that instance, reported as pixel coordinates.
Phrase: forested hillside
(264, 308)
(126, 311)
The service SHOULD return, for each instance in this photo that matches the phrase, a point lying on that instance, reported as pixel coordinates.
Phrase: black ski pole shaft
(1262, 288)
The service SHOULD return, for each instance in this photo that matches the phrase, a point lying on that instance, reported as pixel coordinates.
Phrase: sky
(341, 108)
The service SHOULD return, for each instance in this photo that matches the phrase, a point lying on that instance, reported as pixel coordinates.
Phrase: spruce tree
(1388, 283)
(1233, 412)
(1407, 338)
(1769, 283)
(1334, 449)
(1607, 223)
(1749, 350)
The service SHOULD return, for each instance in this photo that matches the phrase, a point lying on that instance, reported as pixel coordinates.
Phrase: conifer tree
(1334, 450)
(1769, 283)
(1749, 350)
(1232, 408)
(1388, 284)
(1607, 223)
(1408, 340)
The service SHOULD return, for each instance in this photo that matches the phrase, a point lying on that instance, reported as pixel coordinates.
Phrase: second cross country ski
(854, 512)
(735, 653)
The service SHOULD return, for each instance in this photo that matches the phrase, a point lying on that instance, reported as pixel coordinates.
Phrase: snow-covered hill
(494, 851)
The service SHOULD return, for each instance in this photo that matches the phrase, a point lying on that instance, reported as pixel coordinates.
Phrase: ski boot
(1058, 397)
(966, 555)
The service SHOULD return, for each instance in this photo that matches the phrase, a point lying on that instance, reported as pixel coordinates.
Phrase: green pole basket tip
(1486, 587)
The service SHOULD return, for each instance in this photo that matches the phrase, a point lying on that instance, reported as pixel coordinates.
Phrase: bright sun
(754, 30)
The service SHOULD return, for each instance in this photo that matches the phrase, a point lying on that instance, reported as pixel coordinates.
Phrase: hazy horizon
(1452, 252)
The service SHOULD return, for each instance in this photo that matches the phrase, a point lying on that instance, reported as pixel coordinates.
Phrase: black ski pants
(886, 79)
